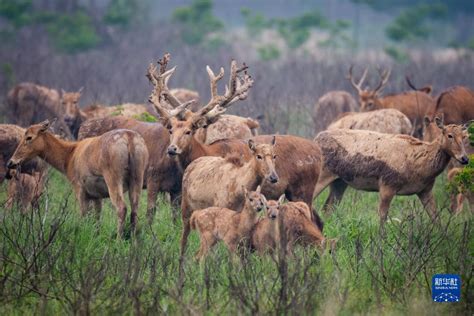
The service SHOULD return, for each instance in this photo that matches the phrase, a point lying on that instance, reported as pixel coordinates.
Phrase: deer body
(233, 228)
(330, 106)
(99, 167)
(456, 104)
(389, 164)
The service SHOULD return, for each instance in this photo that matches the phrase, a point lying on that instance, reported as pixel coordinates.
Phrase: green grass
(52, 261)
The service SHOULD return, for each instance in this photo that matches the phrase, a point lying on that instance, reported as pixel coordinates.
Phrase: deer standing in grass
(98, 167)
(233, 228)
(414, 104)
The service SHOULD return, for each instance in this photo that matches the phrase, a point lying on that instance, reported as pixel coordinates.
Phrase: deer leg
(134, 196)
(174, 203)
(386, 195)
(325, 179)
(460, 202)
(336, 191)
(427, 199)
(115, 188)
(152, 187)
(83, 201)
(97, 208)
(207, 241)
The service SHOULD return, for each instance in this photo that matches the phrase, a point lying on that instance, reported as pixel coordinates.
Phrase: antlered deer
(456, 104)
(29, 103)
(414, 104)
(98, 167)
(390, 164)
(220, 182)
(26, 185)
(388, 121)
(330, 106)
(220, 223)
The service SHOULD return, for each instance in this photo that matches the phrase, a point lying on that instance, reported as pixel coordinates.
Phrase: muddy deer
(390, 121)
(220, 223)
(98, 167)
(414, 104)
(390, 164)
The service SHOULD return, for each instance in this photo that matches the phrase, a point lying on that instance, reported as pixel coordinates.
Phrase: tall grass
(52, 261)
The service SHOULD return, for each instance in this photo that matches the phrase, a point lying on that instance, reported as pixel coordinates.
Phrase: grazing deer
(98, 167)
(330, 106)
(390, 164)
(414, 104)
(24, 186)
(220, 223)
(219, 182)
(456, 104)
(390, 121)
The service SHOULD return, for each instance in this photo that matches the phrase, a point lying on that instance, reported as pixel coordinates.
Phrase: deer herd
(219, 171)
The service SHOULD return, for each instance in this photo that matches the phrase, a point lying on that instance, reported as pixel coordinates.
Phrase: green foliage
(269, 52)
(464, 181)
(337, 36)
(145, 117)
(255, 23)
(197, 21)
(16, 12)
(121, 12)
(72, 33)
(397, 54)
(8, 74)
(412, 25)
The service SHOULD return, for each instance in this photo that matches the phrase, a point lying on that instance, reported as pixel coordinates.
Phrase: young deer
(233, 228)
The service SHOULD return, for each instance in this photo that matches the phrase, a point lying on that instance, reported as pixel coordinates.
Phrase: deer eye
(29, 138)
(188, 133)
(274, 156)
(251, 200)
(259, 157)
(450, 135)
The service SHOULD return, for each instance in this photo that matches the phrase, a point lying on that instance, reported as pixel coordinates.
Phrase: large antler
(384, 75)
(357, 86)
(410, 83)
(237, 89)
(160, 91)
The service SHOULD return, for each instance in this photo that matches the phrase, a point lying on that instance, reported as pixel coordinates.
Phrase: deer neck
(248, 217)
(438, 157)
(250, 174)
(58, 153)
(193, 152)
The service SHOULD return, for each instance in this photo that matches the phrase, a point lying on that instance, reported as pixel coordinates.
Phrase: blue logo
(446, 288)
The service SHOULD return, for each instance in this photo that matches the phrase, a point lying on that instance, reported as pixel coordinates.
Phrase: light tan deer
(233, 228)
(414, 104)
(98, 167)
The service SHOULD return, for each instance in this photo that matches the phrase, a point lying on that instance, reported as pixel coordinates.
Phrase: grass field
(52, 261)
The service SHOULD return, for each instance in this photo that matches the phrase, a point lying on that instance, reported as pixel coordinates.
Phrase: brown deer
(220, 223)
(293, 219)
(24, 186)
(456, 104)
(219, 182)
(414, 104)
(390, 164)
(29, 103)
(98, 167)
(330, 106)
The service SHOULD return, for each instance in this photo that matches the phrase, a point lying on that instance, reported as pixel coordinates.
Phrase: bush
(269, 52)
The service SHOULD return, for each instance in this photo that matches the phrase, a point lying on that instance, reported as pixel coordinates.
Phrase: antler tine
(384, 75)
(410, 84)
(357, 86)
(163, 62)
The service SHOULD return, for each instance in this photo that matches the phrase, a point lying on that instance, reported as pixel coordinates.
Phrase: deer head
(70, 105)
(254, 199)
(273, 207)
(451, 138)
(369, 99)
(31, 144)
(182, 123)
(265, 157)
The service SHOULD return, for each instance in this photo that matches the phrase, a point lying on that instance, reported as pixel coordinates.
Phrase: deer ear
(281, 199)
(258, 189)
(80, 90)
(439, 122)
(274, 140)
(426, 120)
(45, 125)
(246, 192)
(251, 144)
